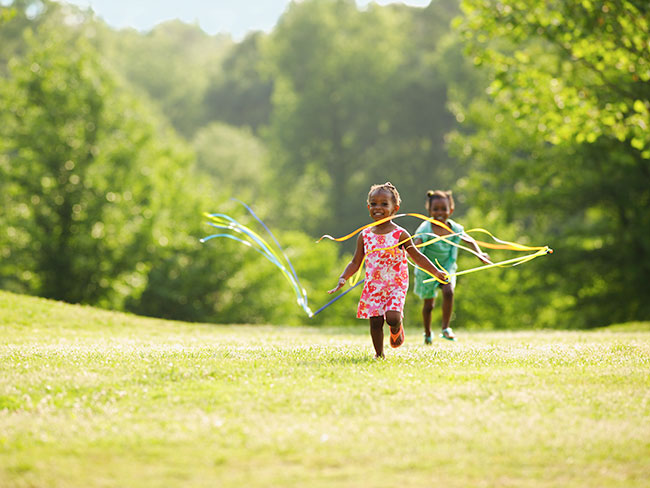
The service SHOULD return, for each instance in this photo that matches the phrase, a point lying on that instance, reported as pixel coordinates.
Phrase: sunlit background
(121, 123)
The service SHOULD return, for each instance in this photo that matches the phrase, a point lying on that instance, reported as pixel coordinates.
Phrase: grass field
(90, 398)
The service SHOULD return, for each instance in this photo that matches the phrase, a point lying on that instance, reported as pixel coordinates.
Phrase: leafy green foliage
(240, 93)
(582, 67)
(584, 195)
(234, 159)
(546, 143)
(82, 167)
(14, 19)
(172, 64)
(355, 103)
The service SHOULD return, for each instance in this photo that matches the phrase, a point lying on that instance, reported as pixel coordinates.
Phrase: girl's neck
(438, 230)
(443, 221)
(384, 228)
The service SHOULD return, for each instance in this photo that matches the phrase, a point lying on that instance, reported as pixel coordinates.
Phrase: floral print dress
(387, 275)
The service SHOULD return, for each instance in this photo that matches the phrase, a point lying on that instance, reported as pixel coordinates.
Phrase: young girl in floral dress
(387, 279)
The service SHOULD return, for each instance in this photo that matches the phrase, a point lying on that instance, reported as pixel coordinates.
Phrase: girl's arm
(420, 259)
(352, 267)
(483, 256)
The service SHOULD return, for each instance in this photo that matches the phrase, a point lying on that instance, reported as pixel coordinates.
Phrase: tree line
(113, 143)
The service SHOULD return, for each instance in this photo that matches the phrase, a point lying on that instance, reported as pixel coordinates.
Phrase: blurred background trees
(114, 142)
(570, 79)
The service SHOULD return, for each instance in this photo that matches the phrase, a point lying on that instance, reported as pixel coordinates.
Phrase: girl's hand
(485, 258)
(441, 275)
(338, 287)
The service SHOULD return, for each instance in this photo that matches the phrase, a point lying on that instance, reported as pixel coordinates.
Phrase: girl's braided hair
(432, 195)
(389, 187)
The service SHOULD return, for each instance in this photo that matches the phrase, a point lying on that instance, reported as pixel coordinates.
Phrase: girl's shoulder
(425, 226)
(455, 226)
(398, 230)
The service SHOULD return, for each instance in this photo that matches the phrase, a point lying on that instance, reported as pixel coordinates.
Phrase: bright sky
(236, 17)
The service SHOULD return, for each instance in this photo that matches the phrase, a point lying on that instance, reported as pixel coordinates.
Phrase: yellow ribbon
(501, 244)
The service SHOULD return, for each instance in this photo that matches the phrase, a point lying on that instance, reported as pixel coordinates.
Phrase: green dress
(445, 253)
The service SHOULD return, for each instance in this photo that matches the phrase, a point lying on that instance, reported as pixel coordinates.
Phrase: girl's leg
(377, 335)
(394, 320)
(427, 308)
(447, 303)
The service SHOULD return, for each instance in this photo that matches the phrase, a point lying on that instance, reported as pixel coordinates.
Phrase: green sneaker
(428, 340)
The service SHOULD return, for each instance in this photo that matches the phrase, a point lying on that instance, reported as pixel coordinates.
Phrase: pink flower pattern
(387, 275)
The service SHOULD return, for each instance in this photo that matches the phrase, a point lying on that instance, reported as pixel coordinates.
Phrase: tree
(559, 148)
(584, 65)
(358, 99)
(240, 93)
(234, 159)
(332, 69)
(102, 202)
(172, 64)
(82, 166)
(14, 19)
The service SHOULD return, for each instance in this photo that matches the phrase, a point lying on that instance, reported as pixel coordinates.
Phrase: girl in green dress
(440, 205)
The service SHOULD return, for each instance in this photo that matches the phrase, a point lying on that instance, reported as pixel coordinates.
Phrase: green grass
(90, 398)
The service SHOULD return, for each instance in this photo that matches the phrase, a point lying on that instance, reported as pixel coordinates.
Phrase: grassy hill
(101, 399)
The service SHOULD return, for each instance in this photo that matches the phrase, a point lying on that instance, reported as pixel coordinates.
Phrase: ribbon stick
(341, 295)
(293, 271)
(259, 244)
